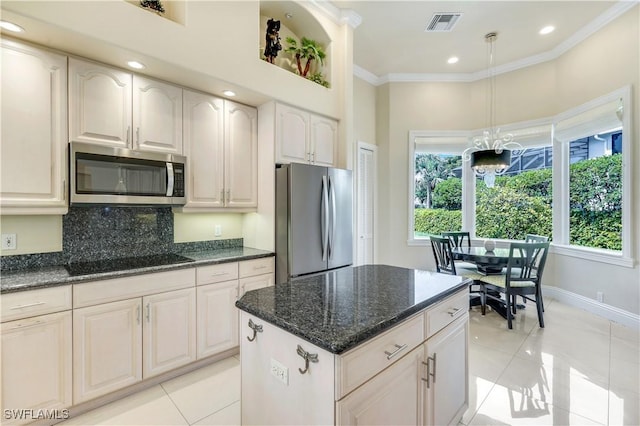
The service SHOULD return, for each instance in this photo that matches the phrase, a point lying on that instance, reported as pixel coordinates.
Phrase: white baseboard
(598, 308)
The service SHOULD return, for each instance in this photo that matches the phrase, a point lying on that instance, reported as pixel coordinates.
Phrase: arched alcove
(296, 22)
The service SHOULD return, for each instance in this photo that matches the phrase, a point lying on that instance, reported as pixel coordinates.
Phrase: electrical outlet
(279, 371)
(218, 231)
(9, 241)
(600, 296)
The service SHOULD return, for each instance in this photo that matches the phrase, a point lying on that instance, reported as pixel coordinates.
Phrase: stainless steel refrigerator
(313, 219)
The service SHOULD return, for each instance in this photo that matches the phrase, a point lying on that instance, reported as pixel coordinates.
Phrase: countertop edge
(339, 347)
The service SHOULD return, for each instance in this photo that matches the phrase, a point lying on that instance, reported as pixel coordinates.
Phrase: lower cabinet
(36, 350)
(217, 318)
(376, 402)
(109, 341)
(254, 283)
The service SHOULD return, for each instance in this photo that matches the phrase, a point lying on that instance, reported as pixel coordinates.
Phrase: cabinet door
(99, 104)
(377, 401)
(447, 393)
(204, 149)
(157, 116)
(107, 348)
(34, 127)
(270, 365)
(253, 283)
(217, 318)
(241, 155)
(292, 135)
(324, 140)
(169, 336)
(36, 363)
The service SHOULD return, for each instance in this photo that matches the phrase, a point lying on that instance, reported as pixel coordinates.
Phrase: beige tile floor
(580, 369)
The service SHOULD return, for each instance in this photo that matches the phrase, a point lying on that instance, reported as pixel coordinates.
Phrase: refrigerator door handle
(325, 218)
(332, 222)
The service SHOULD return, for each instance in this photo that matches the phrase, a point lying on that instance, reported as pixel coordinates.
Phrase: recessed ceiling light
(546, 30)
(137, 65)
(453, 60)
(10, 26)
(229, 93)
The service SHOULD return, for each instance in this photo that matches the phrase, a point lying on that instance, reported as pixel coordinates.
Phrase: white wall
(606, 61)
(364, 111)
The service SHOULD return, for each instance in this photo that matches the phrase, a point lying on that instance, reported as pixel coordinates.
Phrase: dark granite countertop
(340, 309)
(28, 279)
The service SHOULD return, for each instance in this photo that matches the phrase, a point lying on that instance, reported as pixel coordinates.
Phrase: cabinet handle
(255, 268)
(453, 311)
(228, 196)
(219, 274)
(429, 373)
(308, 357)
(313, 157)
(128, 133)
(138, 314)
(29, 305)
(148, 311)
(27, 324)
(64, 190)
(256, 329)
(396, 352)
(138, 137)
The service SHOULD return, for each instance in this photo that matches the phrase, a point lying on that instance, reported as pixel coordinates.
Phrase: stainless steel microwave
(119, 176)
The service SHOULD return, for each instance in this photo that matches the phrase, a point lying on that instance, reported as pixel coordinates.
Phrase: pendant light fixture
(490, 154)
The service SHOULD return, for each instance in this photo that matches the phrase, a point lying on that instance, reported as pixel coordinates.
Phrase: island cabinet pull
(307, 358)
(453, 311)
(256, 329)
(29, 305)
(429, 373)
(396, 352)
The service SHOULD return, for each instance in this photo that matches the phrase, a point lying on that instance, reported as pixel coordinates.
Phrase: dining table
(488, 262)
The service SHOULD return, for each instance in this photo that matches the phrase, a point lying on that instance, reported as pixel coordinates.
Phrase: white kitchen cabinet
(271, 366)
(255, 274)
(107, 348)
(221, 145)
(376, 402)
(447, 388)
(108, 106)
(34, 127)
(36, 363)
(169, 331)
(157, 116)
(304, 137)
(254, 283)
(217, 317)
(204, 148)
(100, 100)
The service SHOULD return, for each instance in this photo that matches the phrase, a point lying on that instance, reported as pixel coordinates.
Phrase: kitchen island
(372, 344)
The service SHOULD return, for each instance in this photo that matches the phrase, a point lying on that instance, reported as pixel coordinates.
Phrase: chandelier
(490, 154)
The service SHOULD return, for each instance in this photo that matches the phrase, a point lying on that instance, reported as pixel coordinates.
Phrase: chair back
(532, 238)
(526, 262)
(442, 254)
(458, 238)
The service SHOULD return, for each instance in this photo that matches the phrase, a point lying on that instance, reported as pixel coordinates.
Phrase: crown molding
(615, 11)
(337, 15)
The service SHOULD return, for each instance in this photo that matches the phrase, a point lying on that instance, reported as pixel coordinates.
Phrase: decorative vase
(489, 245)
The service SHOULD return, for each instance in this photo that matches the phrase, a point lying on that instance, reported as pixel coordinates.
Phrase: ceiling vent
(443, 22)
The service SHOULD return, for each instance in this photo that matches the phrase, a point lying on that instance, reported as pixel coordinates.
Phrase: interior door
(306, 210)
(365, 203)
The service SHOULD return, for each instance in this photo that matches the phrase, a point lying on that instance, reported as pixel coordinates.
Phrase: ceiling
(391, 38)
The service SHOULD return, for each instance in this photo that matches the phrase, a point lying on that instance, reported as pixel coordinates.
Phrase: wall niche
(298, 23)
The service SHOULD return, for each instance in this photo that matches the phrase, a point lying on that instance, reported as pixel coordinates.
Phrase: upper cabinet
(304, 137)
(111, 107)
(221, 146)
(34, 128)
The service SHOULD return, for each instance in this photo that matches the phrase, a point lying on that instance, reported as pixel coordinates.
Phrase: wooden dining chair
(460, 239)
(443, 256)
(523, 278)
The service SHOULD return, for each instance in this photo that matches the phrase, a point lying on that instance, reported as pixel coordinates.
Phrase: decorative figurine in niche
(272, 39)
(154, 5)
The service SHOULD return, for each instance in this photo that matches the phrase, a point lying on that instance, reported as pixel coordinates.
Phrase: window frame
(560, 181)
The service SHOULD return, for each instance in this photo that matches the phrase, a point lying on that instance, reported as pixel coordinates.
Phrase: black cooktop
(113, 265)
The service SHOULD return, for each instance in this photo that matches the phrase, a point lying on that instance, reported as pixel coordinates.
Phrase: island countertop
(340, 309)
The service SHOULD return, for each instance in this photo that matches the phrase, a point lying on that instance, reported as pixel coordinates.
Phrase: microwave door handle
(170, 178)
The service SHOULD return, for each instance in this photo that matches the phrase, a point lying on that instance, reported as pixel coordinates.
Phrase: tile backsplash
(100, 233)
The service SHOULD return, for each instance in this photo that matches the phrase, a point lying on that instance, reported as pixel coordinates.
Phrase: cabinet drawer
(217, 273)
(360, 364)
(129, 287)
(446, 312)
(250, 268)
(35, 302)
